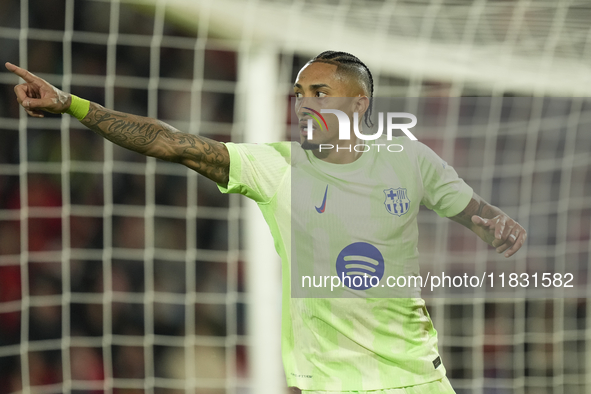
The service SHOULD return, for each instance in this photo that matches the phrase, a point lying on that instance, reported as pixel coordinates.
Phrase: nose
(302, 104)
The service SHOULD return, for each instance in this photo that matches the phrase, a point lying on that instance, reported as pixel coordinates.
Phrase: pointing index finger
(21, 72)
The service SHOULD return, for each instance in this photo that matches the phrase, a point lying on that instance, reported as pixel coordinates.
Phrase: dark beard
(307, 145)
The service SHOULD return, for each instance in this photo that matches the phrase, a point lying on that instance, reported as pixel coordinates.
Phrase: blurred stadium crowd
(127, 315)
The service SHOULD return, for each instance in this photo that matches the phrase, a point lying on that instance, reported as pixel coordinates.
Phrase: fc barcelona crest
(397, 202)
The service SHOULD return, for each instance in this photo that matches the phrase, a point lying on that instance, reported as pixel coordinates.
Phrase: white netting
(118, 272)
(121, 274)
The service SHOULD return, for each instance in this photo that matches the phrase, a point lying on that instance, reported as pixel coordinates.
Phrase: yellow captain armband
(79, 107)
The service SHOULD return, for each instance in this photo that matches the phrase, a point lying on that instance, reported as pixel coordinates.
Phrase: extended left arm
(492, 225)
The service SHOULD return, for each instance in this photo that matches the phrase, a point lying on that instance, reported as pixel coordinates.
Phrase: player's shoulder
(282, 147)
(281, 150)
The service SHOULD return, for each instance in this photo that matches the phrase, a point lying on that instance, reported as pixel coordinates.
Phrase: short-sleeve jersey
(317, 213)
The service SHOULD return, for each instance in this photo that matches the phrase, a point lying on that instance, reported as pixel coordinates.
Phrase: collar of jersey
(332, 167)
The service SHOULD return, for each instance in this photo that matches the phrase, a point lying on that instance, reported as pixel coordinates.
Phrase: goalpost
(120, 274)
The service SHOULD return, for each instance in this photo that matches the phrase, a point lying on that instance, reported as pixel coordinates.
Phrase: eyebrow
(312, 87)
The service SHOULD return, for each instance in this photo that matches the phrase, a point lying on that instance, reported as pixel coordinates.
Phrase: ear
(361, 105)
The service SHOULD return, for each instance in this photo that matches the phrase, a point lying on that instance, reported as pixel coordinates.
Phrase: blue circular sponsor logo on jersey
(360, 266)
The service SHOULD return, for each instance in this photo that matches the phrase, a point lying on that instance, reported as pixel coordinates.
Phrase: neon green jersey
(319, 212)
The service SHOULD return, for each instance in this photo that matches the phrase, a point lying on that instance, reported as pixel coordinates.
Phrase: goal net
(122, 274)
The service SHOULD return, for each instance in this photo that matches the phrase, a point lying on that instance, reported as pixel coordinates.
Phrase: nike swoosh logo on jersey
(321, 208)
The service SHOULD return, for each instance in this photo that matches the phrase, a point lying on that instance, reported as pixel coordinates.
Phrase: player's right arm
(144, 135)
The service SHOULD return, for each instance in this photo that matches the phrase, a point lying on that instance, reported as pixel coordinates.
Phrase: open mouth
(304, 127)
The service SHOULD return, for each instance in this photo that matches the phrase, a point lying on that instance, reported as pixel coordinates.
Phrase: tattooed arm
(147, 136)
(492, 225)
(152, 137)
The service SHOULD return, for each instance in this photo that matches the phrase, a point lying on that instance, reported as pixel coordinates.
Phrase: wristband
(79, 107)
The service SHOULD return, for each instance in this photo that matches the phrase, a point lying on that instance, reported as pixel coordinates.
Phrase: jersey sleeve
(257, 170)
(444, 191)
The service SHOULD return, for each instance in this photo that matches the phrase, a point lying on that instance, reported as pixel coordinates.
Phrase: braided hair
(350, 64)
